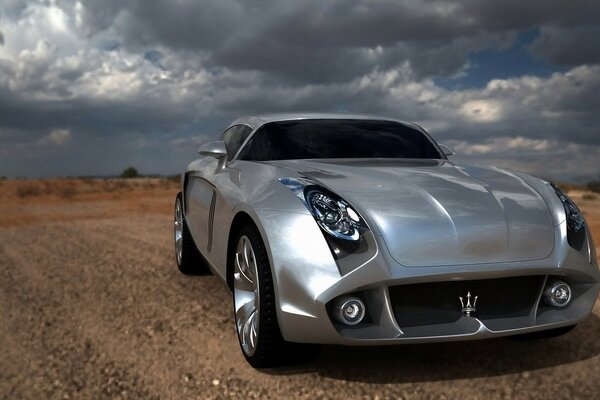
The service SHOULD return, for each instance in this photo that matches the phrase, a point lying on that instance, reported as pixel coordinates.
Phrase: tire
(188, 258)
(548, 334)
(268, 348)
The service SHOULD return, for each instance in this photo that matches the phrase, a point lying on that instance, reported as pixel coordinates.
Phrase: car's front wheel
(254, 306)
(189, 260)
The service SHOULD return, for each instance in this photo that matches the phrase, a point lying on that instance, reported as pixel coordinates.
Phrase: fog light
(349, 310)
(557, 294)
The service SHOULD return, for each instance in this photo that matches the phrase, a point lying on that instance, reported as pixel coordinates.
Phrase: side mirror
(447, 150)
(214, 149)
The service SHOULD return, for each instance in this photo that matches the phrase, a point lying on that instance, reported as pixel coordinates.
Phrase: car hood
(436, 212)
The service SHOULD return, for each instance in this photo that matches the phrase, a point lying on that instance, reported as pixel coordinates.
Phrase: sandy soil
(92, 306)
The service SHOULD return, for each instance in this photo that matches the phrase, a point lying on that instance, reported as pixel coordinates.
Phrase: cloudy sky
(90, 87)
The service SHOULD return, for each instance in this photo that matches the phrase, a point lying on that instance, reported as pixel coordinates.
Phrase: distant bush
(115, 185)
(594, 186)
(28, 190)
(150, 184)
(130, 172)
(67, 192)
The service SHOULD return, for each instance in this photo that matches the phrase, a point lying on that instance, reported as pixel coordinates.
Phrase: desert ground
(92, 306)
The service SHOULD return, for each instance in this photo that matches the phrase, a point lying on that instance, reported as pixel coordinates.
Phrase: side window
(234, 137)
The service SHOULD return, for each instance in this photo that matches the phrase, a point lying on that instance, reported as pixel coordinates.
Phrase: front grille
(438, 302)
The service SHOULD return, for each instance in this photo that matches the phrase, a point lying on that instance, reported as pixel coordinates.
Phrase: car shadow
(452, 360)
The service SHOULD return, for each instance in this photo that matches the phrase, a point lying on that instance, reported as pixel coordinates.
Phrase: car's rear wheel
(189, 260)
(254, 306)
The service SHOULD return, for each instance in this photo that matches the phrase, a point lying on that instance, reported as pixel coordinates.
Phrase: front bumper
(505, 306)
(399, 301)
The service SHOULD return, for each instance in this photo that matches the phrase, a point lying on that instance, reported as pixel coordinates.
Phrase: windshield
(337, 138)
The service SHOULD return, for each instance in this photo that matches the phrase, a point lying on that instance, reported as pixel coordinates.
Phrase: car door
(205, 183)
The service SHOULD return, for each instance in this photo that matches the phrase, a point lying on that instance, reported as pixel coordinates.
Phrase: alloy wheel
(178, 231)
(246, 295)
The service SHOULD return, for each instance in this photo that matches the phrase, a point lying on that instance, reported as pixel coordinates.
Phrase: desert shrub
(589, 196)
(594, 186)
(49, 186)
(130, 172)
(149, 184)
(169, 183)
(88, 180)
(29, 189)
(108, 187)
(116, 185)
(67, 192)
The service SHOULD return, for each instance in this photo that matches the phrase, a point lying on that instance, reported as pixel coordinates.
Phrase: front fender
(302, 267)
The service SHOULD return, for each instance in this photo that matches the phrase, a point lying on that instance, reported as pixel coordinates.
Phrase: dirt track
(92, 306)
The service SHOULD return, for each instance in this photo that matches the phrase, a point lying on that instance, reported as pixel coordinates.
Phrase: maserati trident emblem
(468, 308)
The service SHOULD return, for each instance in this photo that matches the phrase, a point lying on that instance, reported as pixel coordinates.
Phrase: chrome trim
(342, 303)
(447, 150)
(211, 218)
(345, 216)
(536, 306)
(214, 149)
(178, 230)
(246, 295)
(468, 308)
(551, 290)
(304, 188)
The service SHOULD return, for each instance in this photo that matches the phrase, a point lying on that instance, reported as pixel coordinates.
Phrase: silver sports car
(358, 230)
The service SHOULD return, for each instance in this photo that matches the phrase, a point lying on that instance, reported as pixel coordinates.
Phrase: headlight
(334, 215)
(347, 234)
(575, 221)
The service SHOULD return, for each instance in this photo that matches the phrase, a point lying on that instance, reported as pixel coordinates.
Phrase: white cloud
(482, 110)
(499, 145)
(56, 137)
(547, 158)
(187, 142)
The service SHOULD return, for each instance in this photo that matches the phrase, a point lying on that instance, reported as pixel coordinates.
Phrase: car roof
(259, 120)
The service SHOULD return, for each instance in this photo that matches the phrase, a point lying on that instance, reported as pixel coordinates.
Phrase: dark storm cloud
(261, 34)
(299, 63)
(104, 82)
(191, 25)
(568, 47)
(210, 24)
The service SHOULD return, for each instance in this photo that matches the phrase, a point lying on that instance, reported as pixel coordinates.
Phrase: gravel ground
(95, 308)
